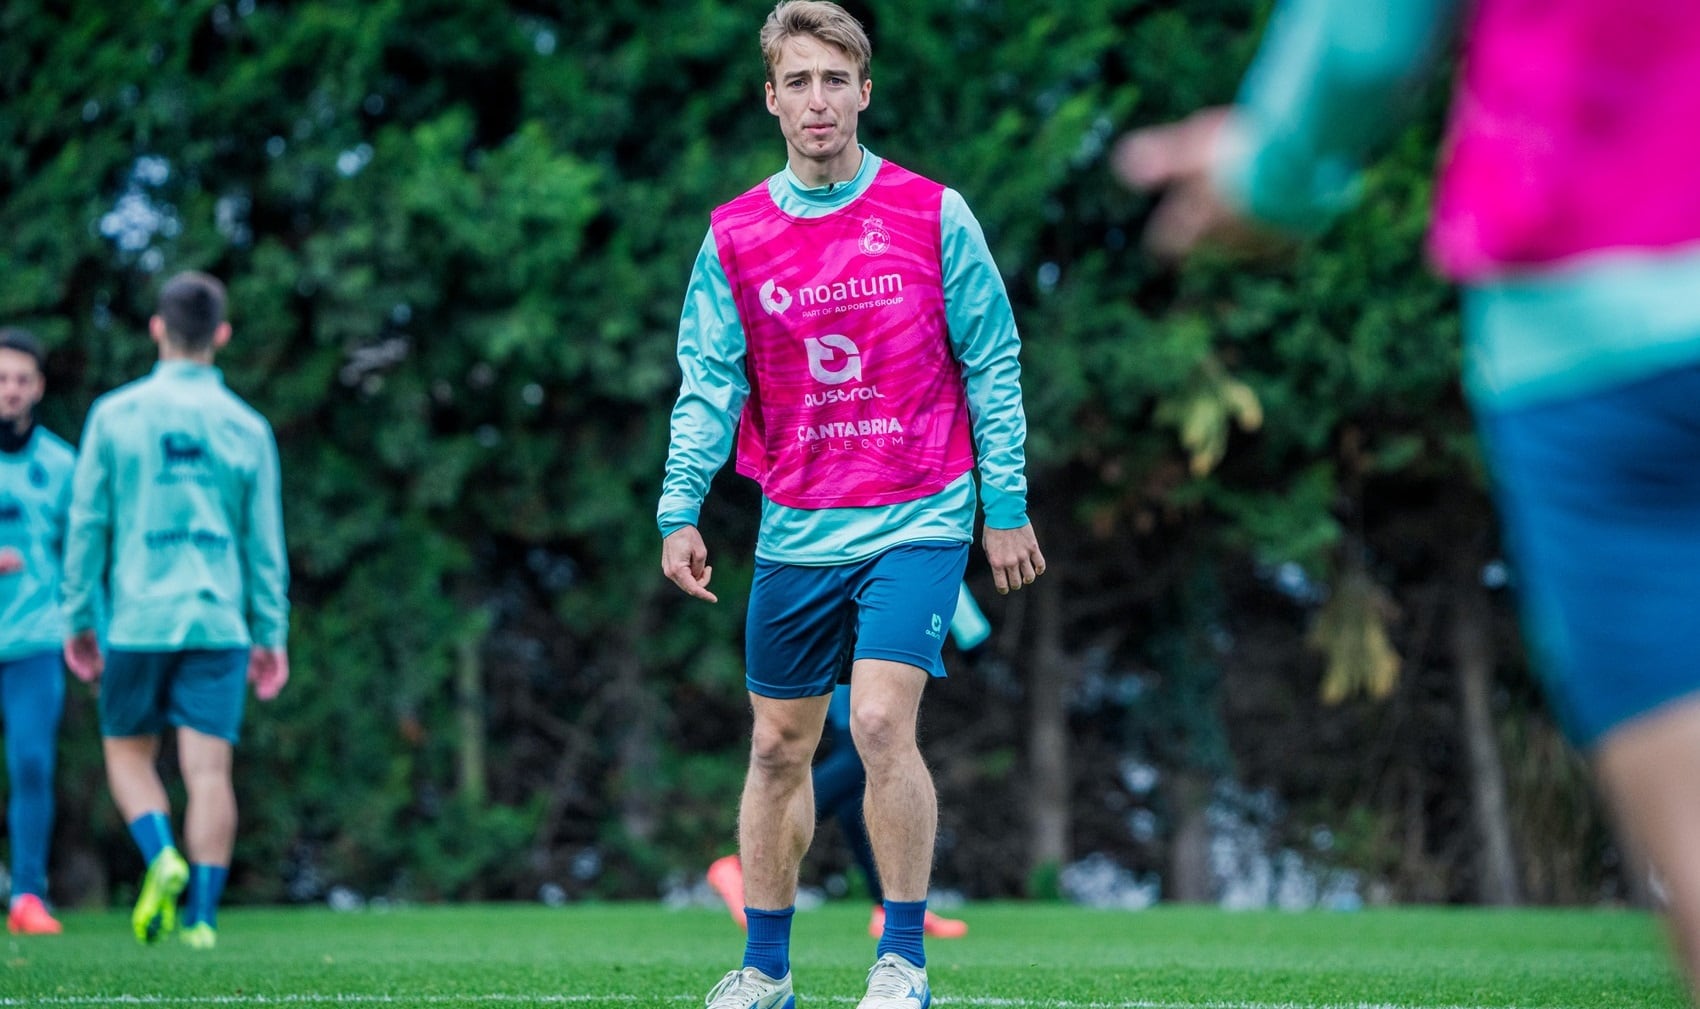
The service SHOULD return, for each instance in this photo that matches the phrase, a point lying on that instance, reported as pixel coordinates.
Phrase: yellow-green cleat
(155, 915)
(200, 936)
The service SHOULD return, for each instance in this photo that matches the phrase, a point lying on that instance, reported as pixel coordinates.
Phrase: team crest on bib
(875, 239)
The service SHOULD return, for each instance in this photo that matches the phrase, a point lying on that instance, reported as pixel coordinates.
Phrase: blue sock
(768, 948)
(152, 834)
(904, 920)
(206, 886)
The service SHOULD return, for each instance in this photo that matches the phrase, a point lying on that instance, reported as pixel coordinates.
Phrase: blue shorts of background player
(143, 692)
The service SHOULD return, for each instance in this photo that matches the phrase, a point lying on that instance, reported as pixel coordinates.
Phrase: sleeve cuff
(1003, 509)
(1279, 188)
(674, 515)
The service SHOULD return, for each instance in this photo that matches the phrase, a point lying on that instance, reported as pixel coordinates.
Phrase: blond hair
(821, 20)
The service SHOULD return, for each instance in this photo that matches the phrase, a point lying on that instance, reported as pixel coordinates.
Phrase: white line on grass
(499, 998)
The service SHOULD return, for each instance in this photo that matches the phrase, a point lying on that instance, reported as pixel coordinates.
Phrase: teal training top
(1326, 90)
(177, 505)
(35, 494)
(983, 340)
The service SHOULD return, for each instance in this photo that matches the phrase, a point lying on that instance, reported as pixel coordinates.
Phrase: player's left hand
(268, 671)
(11, 561)
(1014, 556)
(83, 658)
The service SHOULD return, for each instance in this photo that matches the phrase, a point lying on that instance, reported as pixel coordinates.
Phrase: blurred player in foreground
(1568, 208)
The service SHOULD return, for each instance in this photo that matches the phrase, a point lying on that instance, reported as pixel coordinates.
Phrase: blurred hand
(1014, 556)
(268, 671)
(11, 561)
(1176, 160)
(82, 656)
(684, 560)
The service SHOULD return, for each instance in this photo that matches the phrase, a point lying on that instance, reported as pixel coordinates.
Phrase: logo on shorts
(936, 631)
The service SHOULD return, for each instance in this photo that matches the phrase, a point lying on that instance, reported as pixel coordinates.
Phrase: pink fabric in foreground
(1575, 129)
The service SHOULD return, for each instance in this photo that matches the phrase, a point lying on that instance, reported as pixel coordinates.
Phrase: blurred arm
(266, 560)
(88, 534)
(1332, 80)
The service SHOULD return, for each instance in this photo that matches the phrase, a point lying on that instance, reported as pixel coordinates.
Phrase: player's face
(21, 386)
(817, 93)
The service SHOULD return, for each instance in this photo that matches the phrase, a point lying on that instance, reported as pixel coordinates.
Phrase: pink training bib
(855, 397)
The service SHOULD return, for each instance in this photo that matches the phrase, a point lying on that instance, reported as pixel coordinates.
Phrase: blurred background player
(839, 781)
(176, 507)
(1568, 208)
(35, 493)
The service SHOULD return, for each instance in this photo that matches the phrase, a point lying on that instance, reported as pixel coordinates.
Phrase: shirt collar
(187, 369)
(11, 442)
(833, 193)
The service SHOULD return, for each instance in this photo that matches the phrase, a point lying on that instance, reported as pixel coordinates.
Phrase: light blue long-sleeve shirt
(176, 507)
(715, 387)
(1330, 83)
(35, 495)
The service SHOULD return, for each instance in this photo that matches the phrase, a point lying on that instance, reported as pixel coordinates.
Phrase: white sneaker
(749, 988)
(895, 983)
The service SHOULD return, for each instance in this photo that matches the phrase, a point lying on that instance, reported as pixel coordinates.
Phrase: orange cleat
(29, 916)
(726, 875)
(937, 926)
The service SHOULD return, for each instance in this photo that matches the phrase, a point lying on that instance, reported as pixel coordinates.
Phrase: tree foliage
(456, 236)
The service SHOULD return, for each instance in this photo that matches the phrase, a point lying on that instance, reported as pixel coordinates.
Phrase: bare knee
(882, 731)
(780, 751)
(205, 762)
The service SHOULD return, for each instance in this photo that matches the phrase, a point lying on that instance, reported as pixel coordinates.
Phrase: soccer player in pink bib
(846, 330)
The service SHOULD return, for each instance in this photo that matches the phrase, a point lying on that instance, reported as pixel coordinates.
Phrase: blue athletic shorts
(807, 624)
(1600, 501)
(201, 689)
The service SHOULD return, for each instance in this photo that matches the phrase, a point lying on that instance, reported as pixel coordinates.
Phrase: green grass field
(1015, 956)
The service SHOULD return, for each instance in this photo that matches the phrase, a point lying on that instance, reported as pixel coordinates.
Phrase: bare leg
(1648, 769)
(133, 776)
(776, 817)
(209, 819)
(900, 807)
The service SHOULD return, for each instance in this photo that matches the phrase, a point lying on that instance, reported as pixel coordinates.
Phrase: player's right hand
(11, 561)
(684, 560)
(1177, 161)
